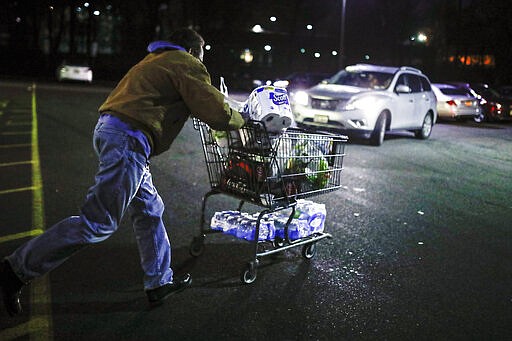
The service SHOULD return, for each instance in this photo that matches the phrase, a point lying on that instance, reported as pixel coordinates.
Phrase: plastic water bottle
(301, 226)
(316, 222)
(297, 230)
(309, 218)
(269, 227)
(248, 230)
(251, 235)
(231, 222)
(263, 232)
(242, 230)
(315, 214)
(218, 220)
(279, 224)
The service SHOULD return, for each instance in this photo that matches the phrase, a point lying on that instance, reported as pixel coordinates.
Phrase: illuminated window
(474, 60)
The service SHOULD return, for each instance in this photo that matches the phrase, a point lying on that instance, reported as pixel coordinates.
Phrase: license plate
(321, 119)
(468, 103)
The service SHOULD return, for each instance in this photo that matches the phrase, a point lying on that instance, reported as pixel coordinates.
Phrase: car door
(404, 111)
(426, 101)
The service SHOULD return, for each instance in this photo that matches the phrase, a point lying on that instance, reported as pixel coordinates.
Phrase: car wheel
(480, 118)
(426, 128)
(379, 131)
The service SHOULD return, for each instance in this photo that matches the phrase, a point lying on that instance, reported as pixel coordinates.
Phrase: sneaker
(159, 294)
(10, 286)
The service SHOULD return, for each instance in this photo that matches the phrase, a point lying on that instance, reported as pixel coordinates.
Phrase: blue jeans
(123, 184)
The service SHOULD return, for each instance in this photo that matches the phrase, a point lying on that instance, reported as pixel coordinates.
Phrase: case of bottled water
(309, 218)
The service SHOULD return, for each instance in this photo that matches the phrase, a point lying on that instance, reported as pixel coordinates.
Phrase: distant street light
(422, 37)
(257, 29)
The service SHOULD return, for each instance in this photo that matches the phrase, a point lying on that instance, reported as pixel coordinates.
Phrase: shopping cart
(271, 171)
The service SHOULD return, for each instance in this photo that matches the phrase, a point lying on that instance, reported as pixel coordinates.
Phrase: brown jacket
(158, 95)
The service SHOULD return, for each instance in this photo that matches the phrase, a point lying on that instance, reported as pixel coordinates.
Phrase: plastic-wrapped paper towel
(271, 106)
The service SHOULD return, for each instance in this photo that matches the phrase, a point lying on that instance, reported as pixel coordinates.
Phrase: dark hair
(186, 38)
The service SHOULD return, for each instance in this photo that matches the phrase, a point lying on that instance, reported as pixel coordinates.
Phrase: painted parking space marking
(40, 323)
(10, 133)
(40, 292)
(21, 235)
(16, 145)
(19, 163)
(16, 190)
(35, 326)
(13, 123)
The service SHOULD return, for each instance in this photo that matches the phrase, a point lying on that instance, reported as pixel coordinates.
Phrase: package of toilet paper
(271, 106)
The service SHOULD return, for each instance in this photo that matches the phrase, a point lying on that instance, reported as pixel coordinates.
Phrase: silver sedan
(455, 102)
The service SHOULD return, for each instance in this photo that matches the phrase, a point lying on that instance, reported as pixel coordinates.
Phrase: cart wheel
(249, 272)
(197, 246)
(309, 250)
(278, 242)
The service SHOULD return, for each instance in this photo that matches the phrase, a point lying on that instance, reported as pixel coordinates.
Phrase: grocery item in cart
(309, 218)
(247, 173)
(271, 106)
(243, 225)
(304, 163)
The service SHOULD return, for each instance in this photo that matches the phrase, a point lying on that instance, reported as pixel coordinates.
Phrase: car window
(414, 83)
(362, 79)
(455, 91)
(401, 80)
(425, 84)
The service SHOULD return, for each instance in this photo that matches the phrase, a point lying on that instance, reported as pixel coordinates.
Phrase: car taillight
(451, 102)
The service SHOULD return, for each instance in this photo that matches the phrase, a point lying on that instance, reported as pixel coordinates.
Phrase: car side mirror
(403, 89)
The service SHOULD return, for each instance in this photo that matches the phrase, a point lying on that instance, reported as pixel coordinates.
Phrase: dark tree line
(379, 28)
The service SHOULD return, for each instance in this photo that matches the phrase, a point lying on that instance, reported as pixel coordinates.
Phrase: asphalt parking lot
(420, 249)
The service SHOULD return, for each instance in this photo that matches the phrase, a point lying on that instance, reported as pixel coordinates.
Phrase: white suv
(368, 100)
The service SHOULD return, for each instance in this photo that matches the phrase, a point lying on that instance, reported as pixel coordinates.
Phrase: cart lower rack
(276, 172)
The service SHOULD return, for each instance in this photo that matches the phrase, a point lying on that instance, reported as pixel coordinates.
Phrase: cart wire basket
(271, 171)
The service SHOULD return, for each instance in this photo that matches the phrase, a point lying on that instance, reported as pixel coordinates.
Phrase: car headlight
(281, 83)
(364, 104)
(301, 98)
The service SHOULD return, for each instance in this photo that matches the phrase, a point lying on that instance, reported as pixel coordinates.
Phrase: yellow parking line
(16, 190)
(22, 123)
(39, 325)
(40, 292)
(10, 164)
(21, 235)
(35, 326)
(15, 145)
(10, 133)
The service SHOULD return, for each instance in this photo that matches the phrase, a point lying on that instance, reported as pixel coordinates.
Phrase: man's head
(188, 39)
